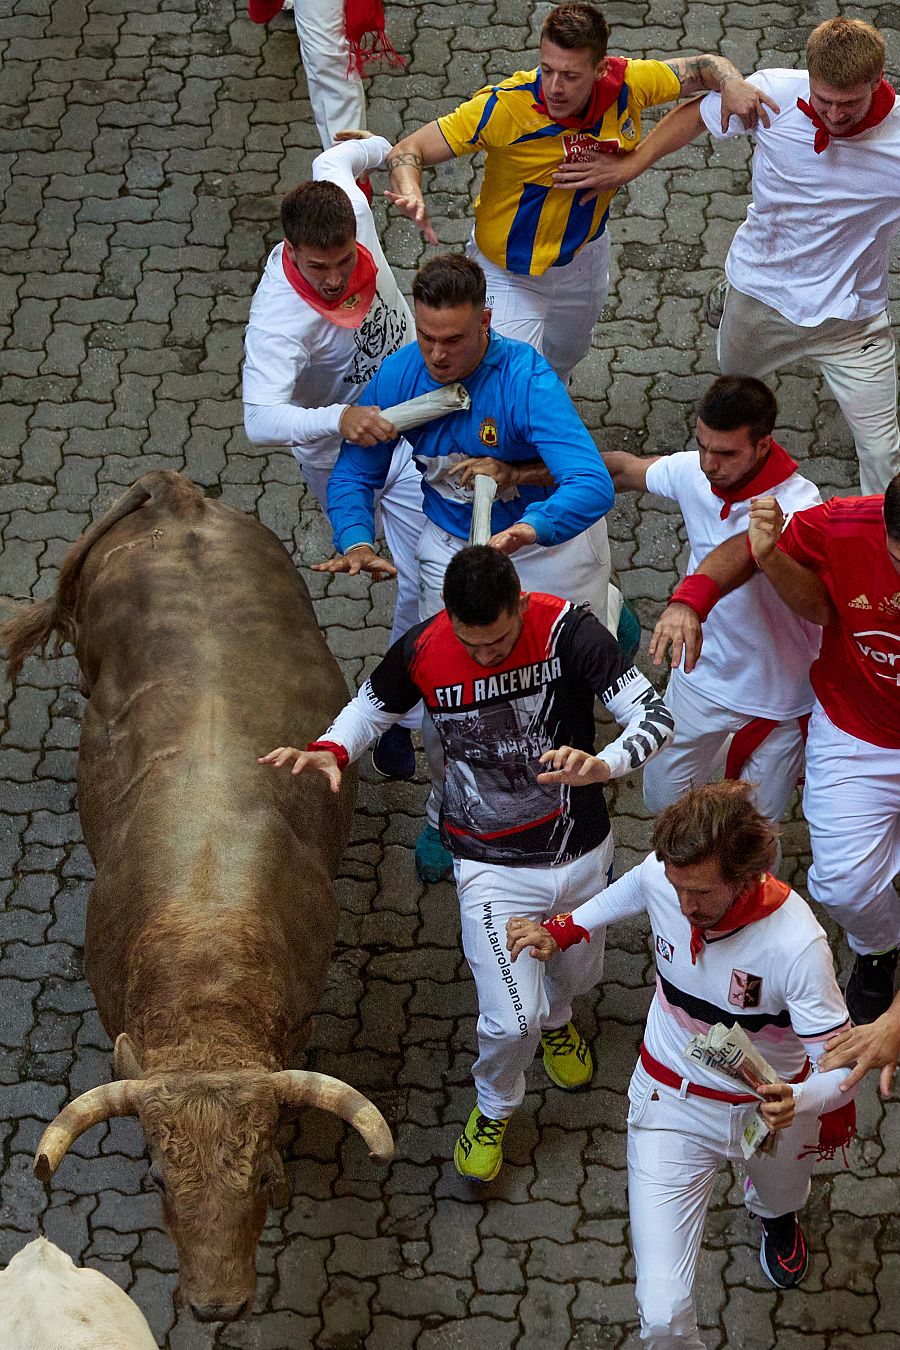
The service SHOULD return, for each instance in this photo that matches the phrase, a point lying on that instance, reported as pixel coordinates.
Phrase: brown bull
(212, 916)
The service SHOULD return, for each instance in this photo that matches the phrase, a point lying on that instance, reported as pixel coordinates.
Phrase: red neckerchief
(603, 95)
(761, 899)
(882, 102)
(776, 467)
(363, 28)
(349, 310)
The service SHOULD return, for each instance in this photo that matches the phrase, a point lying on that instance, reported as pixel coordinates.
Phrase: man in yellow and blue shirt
(540, 221)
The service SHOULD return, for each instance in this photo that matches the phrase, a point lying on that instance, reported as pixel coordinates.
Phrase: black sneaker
(870, 988)
(782, 1251)
(393, 755)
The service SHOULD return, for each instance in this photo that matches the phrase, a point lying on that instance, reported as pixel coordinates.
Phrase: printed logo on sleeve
(745, 990)
(664, 948)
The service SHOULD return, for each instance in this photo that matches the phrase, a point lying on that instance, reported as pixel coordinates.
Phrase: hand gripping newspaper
(729, 1053)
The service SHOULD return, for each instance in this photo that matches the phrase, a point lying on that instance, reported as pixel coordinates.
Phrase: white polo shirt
(756, 652)
(818, 232)
(293, 355)
(774, 977)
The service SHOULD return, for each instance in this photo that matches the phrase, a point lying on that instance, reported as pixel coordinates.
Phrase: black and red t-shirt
(495, 722)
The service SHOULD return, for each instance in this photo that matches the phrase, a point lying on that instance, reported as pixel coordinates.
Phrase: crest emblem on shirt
(351, 301)
(488, 433)
(745, 989)
(629, 131)
(890, 604)
(664, 948)
(861, 602)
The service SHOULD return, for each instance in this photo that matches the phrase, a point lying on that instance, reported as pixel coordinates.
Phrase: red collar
(776, 467)
(349, 310)
(603, 95)
(760, 900)
(882, 102)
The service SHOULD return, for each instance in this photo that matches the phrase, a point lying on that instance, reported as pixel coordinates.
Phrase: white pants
(852, 805)
(338, 101)
(703, 731)
(399, 515)
(555, 313)
(675, 1148)
(856, 357)
(576, 570)
(517, 1002)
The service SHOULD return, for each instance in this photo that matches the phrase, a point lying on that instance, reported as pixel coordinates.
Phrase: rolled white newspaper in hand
(415, 412)
(485, 490)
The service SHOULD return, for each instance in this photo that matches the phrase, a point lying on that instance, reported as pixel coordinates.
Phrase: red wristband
(699, 593)
(339, 751)
(751, 555)
(565, 931)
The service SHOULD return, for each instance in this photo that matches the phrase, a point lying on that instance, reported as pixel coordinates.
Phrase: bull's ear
(125, 1061)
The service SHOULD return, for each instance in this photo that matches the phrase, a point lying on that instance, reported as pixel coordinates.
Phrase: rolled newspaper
(729, 1053)
(485, 490)
(415, 412)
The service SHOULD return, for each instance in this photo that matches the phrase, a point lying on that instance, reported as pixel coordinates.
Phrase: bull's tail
(34, 625)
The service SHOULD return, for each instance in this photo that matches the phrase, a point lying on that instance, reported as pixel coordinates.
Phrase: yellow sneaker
(567, 1057)
(479, 1149)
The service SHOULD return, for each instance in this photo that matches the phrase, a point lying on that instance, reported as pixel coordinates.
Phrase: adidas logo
(861, 602)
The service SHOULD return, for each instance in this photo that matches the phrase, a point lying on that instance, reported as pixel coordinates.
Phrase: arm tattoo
(703, 72)
(397, 160)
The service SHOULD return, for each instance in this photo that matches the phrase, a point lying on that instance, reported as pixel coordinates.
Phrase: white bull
(49, 1303)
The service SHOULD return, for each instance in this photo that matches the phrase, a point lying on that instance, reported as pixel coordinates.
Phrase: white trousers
(576, 570)
(338, 101)
(703, 732)
(675, 1148)
(856, 357)
(852, 805)
(398, 514)
(517, 1002)
(555, 313)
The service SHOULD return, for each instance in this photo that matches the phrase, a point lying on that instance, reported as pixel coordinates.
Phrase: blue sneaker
(433, 861)
(393, 755)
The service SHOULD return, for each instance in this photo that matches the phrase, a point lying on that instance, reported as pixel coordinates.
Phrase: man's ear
(602, 68)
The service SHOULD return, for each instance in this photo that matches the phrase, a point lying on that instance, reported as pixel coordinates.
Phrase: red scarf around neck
(776, 467)
(882, 102)
(604, 94)
(349, 310)
(763, 898)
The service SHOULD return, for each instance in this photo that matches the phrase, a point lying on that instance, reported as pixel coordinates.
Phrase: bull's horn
(299, 1087)
(110, 1099)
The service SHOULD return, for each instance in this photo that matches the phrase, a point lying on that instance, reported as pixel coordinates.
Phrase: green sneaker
(479, 1149)
(567, 1057)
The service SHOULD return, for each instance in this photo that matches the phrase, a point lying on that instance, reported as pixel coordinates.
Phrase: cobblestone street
(144, 147)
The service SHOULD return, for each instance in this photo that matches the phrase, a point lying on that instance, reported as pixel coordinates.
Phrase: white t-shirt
(756, 652)
(774, 977)
(303, 368)
(818, 232)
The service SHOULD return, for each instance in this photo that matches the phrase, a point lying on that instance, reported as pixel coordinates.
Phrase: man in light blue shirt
(521, 427)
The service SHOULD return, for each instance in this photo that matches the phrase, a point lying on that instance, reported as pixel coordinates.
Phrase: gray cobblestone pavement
(143, 147)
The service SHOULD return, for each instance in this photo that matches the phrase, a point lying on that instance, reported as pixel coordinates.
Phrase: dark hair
(734, 401)
(892, 507)
(318, 215)
(448, 280)
(480, 583)
(575, 26)
(717, 821)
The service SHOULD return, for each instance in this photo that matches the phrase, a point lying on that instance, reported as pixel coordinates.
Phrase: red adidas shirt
(857, 674)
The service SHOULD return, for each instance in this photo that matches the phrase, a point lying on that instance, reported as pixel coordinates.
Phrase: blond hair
(717, 821)
(845, 53)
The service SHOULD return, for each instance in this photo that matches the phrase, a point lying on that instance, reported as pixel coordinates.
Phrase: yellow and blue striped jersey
(523, 222)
